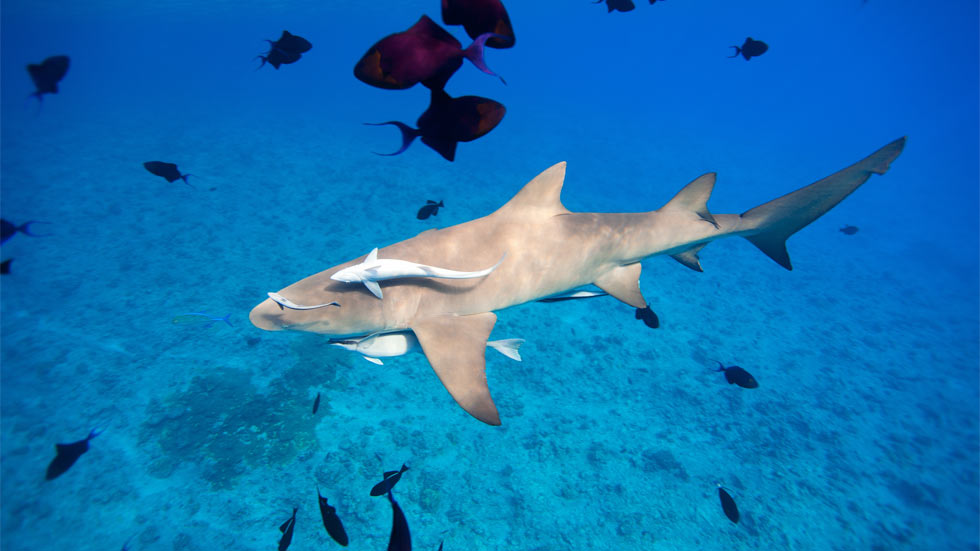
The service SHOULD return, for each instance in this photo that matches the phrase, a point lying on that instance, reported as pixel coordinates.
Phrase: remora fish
(399, 343)
(549, 250)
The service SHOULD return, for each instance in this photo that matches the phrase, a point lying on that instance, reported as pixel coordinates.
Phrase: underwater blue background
(862, 435)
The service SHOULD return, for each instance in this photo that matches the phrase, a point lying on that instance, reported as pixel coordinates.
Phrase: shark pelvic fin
(374, 288)
(456, 348)
(690, 257)
(694, 197)
(623, 282)
(539, 197)
(775, 221)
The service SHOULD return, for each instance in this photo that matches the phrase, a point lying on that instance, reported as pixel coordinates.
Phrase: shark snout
(268, 315)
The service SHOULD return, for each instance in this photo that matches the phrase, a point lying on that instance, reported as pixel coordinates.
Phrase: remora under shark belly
(549, 250)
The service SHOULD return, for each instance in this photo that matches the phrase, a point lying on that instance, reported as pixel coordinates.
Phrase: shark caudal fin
(771, 224)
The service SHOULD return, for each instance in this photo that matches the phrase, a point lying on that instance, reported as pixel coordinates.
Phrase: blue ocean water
(863, 433)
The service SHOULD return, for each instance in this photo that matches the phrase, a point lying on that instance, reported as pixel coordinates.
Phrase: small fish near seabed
(288, 49)
(331, 521)
(389, 479)
(316, 403)
(287, 531)
(5, 266)
(431, 208)
(401, 538)
(648, 316)
(735, 375)
(448, 121)
(479, 17)
(67, 454)
(199, 319)
(9, 229)
(618, 5)
(424, 53)
(750, 48)
(47, 74)
(849, 230)
(728, 505)
(167, 171)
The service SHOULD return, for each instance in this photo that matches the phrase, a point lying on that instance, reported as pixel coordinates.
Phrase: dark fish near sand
(735, 375)
(728, 505)
(47, 74)
(390, 479)
(287, 531)
(9, 229)
(5, 266)
(648, 316)
(618, 5)
(431, 208)
(199, 318)
(401, 538)
(316, 403)
(849, 230)
(67, 454)
(449, 121)
(751, 48)
(424, 53)
(479, 17)
(288, 49)
(167, 171)
(331, 521)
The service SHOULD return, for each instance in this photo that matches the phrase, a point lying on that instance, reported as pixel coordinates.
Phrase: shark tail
(769, 225)
(508, 347)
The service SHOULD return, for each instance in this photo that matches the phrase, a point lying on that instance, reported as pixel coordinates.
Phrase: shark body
(550, 250)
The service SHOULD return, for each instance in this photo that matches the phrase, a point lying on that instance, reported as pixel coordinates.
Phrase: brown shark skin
(549, 250)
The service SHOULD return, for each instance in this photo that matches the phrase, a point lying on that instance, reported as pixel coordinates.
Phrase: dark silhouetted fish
(618, 5)
(449, 121)
(331, 521)
(67, 454)
(735, 375)
(9, 229)
(751, 48)
(287, 531)
(5, 266)
(424, 53)
(167, 171)
(390, 479)
(849, 230)
(728, 505)
(401, 538)
(480, 17)
(288, 49)
(316, 404)
(648, 316)
(431, 208)
(47, 75)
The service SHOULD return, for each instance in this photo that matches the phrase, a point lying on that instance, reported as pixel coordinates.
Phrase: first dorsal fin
(694, 197)
(541, 196)
(372, 256)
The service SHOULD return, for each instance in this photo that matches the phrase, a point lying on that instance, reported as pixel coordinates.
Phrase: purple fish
(424, 53)
(479, 17)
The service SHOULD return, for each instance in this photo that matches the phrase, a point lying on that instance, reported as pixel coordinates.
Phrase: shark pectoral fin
(690, 257)
(456, 348)
(373, 287)
(694, 197)
(623, 282)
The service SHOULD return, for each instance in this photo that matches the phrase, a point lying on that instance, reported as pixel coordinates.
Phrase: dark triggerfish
(389, 479)
(618, 5)
(849, 230)
(167, 171)
(47, 74)
(751, 48)
(401, 538)
(331, 521)
(424, 53)
(448, 121)
(8, 229)
(728, 505)
(287, 531)
(479, 17)
(735, 375)
(431, 208)
(67, 454)
(288, 49)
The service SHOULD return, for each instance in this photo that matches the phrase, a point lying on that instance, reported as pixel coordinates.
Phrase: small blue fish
(199, 318)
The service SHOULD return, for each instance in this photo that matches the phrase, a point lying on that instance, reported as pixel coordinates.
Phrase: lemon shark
(549, 250)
